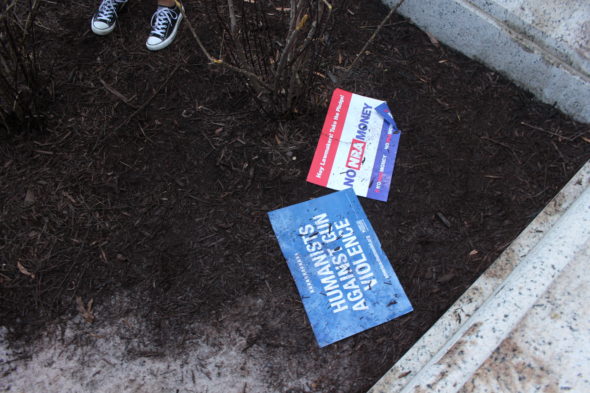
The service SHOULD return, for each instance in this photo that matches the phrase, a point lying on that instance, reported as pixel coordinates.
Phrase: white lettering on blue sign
(344, 272)
(346, 282)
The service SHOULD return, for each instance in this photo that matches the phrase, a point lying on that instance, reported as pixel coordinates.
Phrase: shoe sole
(102, 31)
(110, 29)
(168, 40)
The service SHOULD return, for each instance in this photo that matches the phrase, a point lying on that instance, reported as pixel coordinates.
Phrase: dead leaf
(473, 253)
(24, 270)
(587, 140)
(85, 311)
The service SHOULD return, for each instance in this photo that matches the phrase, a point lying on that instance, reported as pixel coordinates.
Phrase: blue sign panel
(345, 280)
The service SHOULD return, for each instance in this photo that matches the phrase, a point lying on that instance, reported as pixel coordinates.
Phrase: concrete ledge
(531, 303)
(541, 45)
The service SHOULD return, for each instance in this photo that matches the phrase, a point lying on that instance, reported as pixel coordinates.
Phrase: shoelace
(107, 10)
(161, 19)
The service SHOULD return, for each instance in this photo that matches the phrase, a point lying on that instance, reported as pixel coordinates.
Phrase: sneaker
(165, 22)
(105, 19)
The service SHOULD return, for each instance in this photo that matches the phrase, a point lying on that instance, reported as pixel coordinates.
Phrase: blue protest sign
(345, 280)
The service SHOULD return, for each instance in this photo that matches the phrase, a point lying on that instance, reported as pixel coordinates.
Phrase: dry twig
(372, 38)
(149, 100)
(85, 310)
(276, 55)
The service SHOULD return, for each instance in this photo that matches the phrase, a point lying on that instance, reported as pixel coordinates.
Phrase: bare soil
(168, 205)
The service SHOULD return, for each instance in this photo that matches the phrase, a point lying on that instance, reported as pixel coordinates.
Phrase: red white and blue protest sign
(345, 280)
(357, 146)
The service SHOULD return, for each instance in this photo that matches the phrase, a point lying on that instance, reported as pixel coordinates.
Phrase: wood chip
(443, 219)
(24, 270)
(71, 198)
(47, 152)
(445, 278)
(30, 197)
(114, 91)
(103, 255)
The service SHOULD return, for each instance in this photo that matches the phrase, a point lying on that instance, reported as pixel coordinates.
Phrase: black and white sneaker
(105, 19)
(165, 22)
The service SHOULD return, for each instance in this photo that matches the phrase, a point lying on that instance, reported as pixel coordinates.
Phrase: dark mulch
(172, 204)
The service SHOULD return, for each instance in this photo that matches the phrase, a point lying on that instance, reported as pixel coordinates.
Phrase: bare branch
(278, 69)
(256, 81)
(370, 40)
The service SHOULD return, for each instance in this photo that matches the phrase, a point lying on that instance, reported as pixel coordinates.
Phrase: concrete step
(541, 45)
(524, 325)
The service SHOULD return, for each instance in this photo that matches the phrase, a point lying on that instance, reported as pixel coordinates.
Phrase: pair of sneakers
(165, 22)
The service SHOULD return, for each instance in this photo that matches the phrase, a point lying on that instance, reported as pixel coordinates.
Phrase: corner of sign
(337, 90)
(384, 111)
